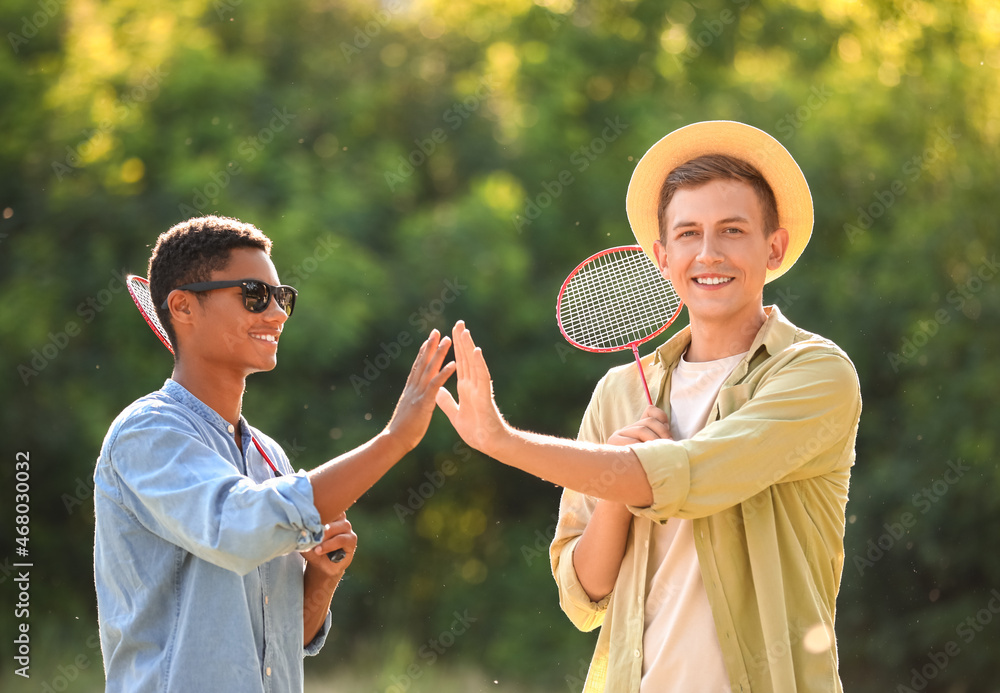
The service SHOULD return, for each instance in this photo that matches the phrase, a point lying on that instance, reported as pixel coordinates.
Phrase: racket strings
(138, 287)
(617, 299)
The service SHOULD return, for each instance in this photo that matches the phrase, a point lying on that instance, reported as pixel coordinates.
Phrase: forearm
(317, 593)
(597, 557)
(341, 481)
(607, 472)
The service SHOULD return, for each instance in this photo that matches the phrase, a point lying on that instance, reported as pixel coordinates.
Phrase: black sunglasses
(256, 294)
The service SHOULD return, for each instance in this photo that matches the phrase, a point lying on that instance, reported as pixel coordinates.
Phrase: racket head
(614, 300)
(138, 289)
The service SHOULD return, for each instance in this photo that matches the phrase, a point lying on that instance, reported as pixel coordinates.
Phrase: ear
(179, 304)
(660, 251)
(777, 245)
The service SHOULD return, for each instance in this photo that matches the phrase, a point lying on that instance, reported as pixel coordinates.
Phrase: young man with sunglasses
(704, 535)
(211, 552)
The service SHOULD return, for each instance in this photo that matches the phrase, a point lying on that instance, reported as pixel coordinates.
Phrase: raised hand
(475, 415)
(416, 405)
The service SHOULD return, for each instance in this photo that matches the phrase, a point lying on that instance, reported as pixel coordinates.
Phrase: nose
(274, 312)
(709, 252)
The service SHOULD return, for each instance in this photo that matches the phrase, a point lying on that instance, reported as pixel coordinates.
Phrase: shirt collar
(776, 334)
(178, 392)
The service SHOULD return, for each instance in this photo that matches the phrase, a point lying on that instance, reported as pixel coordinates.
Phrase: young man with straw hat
(704, 534)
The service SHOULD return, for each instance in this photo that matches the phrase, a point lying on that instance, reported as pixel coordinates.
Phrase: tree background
(418, 162)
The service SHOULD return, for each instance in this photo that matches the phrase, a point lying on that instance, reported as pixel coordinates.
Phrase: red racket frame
(634, 345)
(151, 320)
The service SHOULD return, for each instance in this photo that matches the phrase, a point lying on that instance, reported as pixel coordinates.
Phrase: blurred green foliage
(420, 162)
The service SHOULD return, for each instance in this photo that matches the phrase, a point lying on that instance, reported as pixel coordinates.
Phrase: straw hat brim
(756, 147)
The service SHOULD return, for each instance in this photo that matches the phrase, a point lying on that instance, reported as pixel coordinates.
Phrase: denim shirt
(199, 583)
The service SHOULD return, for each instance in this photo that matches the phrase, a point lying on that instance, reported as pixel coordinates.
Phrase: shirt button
(265, 599)
(636, 652)
(231, 429)
(268, 671)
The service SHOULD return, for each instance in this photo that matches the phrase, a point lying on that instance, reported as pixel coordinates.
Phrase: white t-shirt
(681, 651)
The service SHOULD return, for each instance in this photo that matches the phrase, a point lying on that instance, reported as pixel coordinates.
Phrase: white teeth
(265, 337)
(713, 280)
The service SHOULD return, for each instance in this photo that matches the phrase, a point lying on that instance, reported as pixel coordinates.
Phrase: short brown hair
(190, 251)
(710, 167)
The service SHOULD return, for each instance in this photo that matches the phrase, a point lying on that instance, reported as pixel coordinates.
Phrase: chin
(261, 367)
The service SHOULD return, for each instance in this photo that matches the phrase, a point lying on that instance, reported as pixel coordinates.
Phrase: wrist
(393, 444)
(499, 441)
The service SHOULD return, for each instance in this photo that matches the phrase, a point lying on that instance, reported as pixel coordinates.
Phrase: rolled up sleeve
(316, 644)
(794, 425)
(575, 511)
(182, 490)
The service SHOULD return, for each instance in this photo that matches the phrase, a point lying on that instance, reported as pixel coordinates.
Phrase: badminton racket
(615, 300)
(138, 289)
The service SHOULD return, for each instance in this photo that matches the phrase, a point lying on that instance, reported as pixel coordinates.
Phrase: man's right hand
(654, 425)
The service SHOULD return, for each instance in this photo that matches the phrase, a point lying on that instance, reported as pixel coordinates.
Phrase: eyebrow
(727, 220)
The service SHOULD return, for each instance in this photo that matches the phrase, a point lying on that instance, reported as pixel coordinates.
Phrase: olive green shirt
(765, 482)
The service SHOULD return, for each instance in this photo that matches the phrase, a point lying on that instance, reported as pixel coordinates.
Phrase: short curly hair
(190, 251)
(709, 167)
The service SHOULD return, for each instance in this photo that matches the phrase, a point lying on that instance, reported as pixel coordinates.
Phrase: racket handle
(642, 374)
(337, 556)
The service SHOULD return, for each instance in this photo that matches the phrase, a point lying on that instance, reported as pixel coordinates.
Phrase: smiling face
(221, 332)
(716, 253)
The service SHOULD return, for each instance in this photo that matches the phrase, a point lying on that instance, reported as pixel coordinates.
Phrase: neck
(221, 391)
(716, 339)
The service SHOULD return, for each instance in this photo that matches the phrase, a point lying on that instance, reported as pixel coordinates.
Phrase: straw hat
(756, 147)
